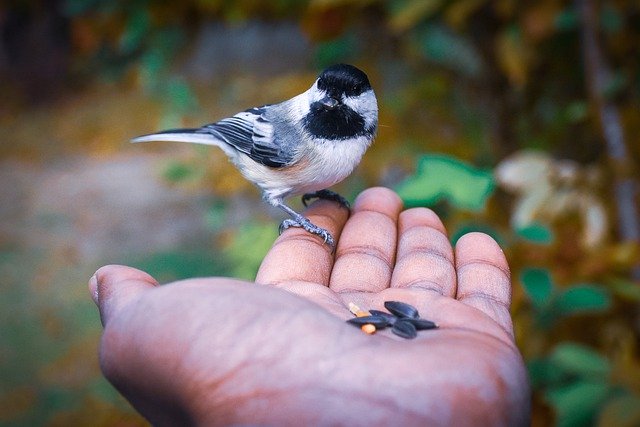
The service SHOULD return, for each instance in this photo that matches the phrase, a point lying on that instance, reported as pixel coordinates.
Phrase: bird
(300, 146)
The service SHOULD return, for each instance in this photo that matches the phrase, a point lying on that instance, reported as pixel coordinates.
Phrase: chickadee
(299, 146)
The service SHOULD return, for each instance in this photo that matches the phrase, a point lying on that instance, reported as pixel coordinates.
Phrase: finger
(300, 256)
(366, 250)
(484, 280)
(114, 286)
(425, 255)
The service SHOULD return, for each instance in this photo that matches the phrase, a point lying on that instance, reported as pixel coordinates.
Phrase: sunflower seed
(377, 321)
(404, 329)
(401, 309)
(421, 324)
(391, 319)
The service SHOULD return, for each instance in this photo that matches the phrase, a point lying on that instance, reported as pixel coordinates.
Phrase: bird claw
(309, 227)
(326, 195)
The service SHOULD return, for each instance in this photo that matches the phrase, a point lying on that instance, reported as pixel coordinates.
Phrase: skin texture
(219, 351)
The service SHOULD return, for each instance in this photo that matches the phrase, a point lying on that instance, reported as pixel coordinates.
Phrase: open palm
(218, 351)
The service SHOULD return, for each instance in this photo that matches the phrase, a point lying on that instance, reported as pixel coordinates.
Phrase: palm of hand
(291, 352)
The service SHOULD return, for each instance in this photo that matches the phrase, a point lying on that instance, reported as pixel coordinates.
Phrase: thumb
(113, 287)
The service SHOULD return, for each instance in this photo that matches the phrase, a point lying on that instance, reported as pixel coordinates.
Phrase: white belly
(320, 167)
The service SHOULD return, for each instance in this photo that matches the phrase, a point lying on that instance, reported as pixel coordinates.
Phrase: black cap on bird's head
(343, 79)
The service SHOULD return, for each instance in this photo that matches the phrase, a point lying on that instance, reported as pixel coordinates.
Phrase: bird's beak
(329, 102)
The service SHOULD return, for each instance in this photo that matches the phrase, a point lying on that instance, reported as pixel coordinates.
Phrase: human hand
(220, 351)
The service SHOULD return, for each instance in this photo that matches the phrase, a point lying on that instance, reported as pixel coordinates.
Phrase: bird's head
(342, 104)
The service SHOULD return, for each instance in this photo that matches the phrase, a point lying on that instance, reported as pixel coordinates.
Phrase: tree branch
(598, 75)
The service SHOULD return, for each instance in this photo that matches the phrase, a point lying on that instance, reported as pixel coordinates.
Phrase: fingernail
(93, 287)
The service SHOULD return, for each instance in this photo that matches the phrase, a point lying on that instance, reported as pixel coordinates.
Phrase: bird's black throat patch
(337, 123)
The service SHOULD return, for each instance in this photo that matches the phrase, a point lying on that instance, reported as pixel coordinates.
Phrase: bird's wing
(251, 133)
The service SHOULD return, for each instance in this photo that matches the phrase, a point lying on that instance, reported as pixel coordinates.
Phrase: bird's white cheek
(314, 94)
(366, 105)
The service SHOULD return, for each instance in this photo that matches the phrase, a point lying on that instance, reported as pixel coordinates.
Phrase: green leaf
(567, 20)
(577, 404)
(579, 360)
(136, 29)
(216, 216)
(536, 233)
(152, 64)
(177, 171)
(448, 49)
(336, 50)
(248, 248)
(543, 373)
(179, 264)
(443, 177)
(180, 95)
(583, 298)
(538, 286)
(472, 227)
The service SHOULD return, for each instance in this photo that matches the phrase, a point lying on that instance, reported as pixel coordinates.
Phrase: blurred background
(516, 118)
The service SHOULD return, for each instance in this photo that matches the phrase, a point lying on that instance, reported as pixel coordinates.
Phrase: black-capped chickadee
(300, 146)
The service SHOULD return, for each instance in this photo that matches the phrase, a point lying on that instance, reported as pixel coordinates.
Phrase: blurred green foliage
(475, 80)
(550, 303)
(168, 266)
(444, 177)
(577, 383)
(249, 246)
(537, 233)
(48, 353)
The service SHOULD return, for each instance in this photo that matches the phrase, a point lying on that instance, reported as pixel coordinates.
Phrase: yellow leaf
(458, 12)
(412, 13)
(513, 56)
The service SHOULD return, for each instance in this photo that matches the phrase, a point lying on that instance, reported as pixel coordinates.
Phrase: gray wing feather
(251, 133)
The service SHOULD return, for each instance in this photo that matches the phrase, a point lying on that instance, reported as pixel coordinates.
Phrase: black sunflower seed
(401, 309)
(377, 321)
(421, 324)
(404, 329)
(391, 319)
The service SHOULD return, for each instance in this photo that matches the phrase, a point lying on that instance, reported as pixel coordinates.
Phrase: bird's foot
(326, 195)
(309, 227)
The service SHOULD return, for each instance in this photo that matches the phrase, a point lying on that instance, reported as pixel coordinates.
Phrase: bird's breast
(319, 164)
(327, 162)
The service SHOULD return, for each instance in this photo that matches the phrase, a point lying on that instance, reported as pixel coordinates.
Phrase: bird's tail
(194, 136)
